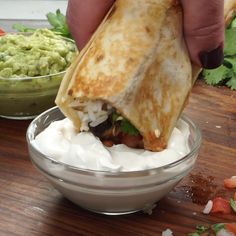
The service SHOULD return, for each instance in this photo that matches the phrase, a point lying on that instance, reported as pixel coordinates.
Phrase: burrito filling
(107, 124)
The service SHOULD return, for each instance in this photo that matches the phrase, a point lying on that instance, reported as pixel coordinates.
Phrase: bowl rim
(20, 78)
(138, 173)
(33, 77)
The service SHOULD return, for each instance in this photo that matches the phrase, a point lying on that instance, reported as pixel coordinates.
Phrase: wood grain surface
(30, 206)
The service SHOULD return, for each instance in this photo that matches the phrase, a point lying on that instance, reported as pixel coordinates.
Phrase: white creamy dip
(61, 142)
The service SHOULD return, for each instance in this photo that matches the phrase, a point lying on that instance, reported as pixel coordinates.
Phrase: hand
(204, 31)
(84, 16)
(203, 26)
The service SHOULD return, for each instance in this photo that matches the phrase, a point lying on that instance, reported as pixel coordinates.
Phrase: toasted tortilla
(229, 10)
(138, 63)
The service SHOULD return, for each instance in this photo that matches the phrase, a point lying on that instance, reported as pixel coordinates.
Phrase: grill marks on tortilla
(96, 89)
(99, 58)
(163, 87)
(147, 29)
(70, 92)
(97, 84)
(128, 55)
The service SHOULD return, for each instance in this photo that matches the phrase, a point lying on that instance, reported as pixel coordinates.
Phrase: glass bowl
(25, 97)
(112, 193)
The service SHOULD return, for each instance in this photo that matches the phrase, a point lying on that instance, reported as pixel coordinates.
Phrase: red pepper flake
(199, 189)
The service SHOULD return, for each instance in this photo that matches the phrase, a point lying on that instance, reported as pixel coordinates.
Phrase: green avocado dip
(41, 53)
(31, 69)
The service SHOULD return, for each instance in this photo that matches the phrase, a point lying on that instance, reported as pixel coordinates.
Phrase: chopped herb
(128, 128)
(114, 116)
(217, 227)
(125, 125)
(233, 204)
(200, 229)
(194, 234)
(208, 230)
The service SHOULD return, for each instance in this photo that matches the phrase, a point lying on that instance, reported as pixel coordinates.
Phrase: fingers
(204, 31)
(203, 26)
(84, 16)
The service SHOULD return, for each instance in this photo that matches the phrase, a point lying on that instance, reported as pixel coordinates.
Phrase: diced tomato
(220, 205)
(231, 227)
(230, 183)
(2, 32)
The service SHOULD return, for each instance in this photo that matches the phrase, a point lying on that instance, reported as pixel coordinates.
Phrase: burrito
(132, 80)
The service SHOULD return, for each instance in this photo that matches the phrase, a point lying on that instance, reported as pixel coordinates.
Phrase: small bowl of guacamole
(31, 69)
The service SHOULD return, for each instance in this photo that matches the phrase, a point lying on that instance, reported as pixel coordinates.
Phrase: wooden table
(30, 206)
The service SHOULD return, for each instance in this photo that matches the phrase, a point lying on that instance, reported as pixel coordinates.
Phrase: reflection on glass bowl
(107, 192)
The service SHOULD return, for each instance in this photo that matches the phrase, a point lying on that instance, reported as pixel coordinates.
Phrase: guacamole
(41, 53)
(31, 69)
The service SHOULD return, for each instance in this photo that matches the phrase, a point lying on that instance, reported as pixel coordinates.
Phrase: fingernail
(212, 59)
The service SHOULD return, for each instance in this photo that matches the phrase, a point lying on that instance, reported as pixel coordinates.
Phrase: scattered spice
(200, 189)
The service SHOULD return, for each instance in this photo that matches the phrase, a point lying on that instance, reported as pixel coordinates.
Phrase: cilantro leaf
(233, 204)
(232, 82)
(230, 42)
(114, 116)
(217, 227)
(58, 22)
(233, 23)
(217, 75)
(125, 125)
(232, 78)
(194, 234)
(202, 228)
(128, 128)
(22, 28)
(53, 20)
(231, 63)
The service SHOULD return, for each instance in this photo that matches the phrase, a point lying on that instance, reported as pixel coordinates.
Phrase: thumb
(204, 31)
(84, 16)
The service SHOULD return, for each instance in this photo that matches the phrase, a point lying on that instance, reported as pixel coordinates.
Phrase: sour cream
(61, 142)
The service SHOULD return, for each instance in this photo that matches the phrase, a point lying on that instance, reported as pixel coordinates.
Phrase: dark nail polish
(212, 59)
